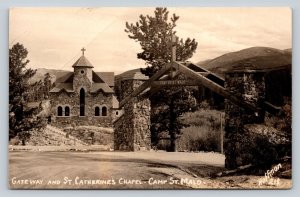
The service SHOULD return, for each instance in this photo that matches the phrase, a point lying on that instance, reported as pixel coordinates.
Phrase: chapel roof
(82, 62)
(102, 81)
(101, 86)
(68, 87)
(115, 103)
(107, 77)
(98, 77)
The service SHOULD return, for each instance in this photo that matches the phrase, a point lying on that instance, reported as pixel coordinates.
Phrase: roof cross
(83, 50)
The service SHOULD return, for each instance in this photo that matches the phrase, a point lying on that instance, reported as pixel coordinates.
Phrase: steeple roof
(83, 61)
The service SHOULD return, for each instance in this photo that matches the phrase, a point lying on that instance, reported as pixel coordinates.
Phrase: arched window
(82, 101)
(67, 111)
(104, 111)
(59, 111)
(117, 113)
(97, 111)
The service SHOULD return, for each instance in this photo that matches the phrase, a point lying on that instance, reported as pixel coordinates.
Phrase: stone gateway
(84, 97)
(245, 104)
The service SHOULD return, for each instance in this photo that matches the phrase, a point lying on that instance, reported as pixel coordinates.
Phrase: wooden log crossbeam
(175, 82)
(266, 106)
(146, 84)
(199, 78)
(213, 86)
(149, 93)
(203, 73)
(192, 74)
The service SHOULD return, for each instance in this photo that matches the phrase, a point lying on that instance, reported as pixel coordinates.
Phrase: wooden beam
(210, 73)
(146, 84)
(213, 86)
(203, 73)
(272, 109)
(222, 135)
(149, 93)
(199, 79)
(175, 82)
(174, 42)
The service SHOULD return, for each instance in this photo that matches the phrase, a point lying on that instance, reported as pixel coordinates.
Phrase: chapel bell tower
(83, 73)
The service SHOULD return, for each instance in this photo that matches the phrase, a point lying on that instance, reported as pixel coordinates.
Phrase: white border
(5, 4)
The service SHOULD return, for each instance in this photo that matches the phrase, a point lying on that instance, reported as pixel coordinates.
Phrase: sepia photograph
(150, 98)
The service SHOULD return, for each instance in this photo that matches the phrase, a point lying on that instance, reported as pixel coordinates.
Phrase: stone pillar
(132, 129)
(248, 85)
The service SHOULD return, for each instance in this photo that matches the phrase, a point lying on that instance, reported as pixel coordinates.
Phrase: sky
(54, 36)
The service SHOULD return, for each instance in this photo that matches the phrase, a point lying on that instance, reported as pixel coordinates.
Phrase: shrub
(281, 121)
(197, 138)
(209, 118)
(201, 134)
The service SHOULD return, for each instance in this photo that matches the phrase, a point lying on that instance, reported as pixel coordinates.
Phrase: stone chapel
(83, 97)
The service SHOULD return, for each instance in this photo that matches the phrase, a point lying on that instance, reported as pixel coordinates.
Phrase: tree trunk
(172, 129)
(173, 144)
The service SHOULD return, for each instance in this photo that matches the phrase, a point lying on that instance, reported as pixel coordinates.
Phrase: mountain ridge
(259, 57)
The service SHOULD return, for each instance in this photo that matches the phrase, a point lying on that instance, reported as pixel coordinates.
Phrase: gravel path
(122, 170)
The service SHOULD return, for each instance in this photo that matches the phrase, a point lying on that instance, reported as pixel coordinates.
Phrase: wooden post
(222, 134)
(174, 42)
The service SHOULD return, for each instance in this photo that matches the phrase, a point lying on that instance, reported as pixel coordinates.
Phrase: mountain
(259, 57)
(278, 63)
(40, 74)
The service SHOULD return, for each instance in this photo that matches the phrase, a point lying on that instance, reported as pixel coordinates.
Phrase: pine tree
(47, 84)
(154, 33)
(22, 118)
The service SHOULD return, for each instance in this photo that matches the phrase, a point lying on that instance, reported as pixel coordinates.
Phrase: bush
(203, 134)
(209, 118)
(197, 138)
(282, 121)
(163, 144)
(14, 141)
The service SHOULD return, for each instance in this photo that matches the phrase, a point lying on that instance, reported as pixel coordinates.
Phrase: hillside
(260, 57)
(278, 81)
(40, 73)
(50, 136)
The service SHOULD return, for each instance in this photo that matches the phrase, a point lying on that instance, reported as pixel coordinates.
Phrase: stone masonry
(72, 100)
(248, 85)
(132, 129)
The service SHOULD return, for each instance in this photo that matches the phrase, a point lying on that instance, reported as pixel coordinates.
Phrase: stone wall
(248, 85)
(82, 79)
(261, 144)
(71, 100)
(132, 129)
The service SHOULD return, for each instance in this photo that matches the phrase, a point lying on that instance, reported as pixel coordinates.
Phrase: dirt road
(117, 170)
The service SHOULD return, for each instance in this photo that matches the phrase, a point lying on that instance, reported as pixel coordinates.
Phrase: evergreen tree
(22, 118)
(47, 84)
(154, 33)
